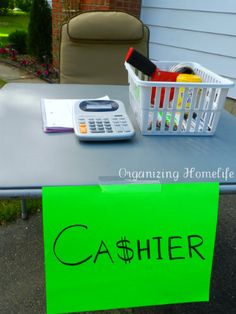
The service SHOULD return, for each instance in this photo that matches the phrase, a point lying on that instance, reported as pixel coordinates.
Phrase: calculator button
(119, 130)
(126, 129)
(83, 130)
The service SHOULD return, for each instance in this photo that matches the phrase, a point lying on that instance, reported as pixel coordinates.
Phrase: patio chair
(94, 45)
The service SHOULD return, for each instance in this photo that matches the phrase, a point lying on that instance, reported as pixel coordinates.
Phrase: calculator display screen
(99, 105)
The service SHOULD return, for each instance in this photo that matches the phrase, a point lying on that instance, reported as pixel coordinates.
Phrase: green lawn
(9, 24)
(2, 83)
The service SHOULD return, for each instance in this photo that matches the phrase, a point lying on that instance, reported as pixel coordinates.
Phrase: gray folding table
(31, 159)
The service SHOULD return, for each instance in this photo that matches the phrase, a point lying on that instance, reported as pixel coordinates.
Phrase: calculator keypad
(103, 125)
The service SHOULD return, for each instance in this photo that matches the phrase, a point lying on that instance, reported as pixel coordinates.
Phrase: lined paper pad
(57, 114)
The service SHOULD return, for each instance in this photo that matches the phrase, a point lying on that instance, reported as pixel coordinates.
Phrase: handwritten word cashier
(173, 247)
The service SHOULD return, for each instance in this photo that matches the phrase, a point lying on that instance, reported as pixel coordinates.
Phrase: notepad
(57, 114)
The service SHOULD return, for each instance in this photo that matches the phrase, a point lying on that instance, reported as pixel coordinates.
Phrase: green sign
(128, 245)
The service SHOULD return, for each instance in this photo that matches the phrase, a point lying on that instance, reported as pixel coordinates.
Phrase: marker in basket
(140, 62)
(147, 67)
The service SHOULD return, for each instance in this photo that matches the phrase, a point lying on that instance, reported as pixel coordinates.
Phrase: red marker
(163, 76)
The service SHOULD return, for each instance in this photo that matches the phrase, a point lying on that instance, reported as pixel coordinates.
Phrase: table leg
(24, 210)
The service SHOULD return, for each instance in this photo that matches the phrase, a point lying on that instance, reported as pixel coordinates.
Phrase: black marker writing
(160, 248)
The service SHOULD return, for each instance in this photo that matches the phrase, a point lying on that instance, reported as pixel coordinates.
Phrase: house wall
(63, 9)
(201, 31)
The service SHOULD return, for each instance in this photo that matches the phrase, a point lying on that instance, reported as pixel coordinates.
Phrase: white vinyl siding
(202, 31)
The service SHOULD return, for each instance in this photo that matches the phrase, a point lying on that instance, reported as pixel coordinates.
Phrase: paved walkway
(11, 74)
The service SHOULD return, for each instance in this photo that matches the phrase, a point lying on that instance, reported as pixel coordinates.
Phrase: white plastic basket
(197, 112)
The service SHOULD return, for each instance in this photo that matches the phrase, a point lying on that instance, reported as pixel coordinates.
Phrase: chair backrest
(94, 45)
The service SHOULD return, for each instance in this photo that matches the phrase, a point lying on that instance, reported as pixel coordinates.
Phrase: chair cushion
(91, 26)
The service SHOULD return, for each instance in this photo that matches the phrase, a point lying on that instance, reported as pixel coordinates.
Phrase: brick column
(88, 5)
(63, 9)
(129, 6)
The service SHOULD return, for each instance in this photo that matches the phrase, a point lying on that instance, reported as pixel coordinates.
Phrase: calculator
(101, 120)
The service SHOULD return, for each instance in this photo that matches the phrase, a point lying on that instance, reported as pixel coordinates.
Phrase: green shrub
(11, 4)
(40, 29)
(3, 41)
(4, 7)
(18, 40)
(24, 5)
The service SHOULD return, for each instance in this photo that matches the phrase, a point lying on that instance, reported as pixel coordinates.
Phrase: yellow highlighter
(186, 78)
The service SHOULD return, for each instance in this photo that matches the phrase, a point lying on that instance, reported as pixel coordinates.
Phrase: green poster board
(128, 245)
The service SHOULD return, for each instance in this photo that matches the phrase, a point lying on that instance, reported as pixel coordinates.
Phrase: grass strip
(10, 210)
(2, 83)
